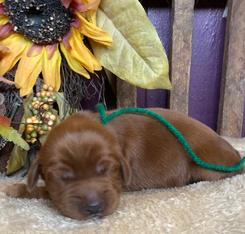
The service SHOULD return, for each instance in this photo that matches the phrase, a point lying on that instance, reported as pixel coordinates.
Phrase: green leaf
(137, 55)
(27, 112)
(17, 157)
(11, 134)
(16, 160)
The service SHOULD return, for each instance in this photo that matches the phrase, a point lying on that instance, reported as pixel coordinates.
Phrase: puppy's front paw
(17, 190)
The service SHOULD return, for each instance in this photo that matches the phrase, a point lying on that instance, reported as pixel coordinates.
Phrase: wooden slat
(126, 94)
(233, 80)
(181, 52)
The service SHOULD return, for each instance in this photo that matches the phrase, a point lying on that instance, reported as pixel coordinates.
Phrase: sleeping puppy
(86, 165)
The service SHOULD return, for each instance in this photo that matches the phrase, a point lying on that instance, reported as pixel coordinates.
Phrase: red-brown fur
(84, 162)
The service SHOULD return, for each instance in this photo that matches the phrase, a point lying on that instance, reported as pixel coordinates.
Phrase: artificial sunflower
(34, 33)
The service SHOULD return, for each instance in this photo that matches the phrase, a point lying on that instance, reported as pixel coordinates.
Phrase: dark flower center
(42, 21)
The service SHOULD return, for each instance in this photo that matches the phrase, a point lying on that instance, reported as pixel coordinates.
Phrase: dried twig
(6, 81)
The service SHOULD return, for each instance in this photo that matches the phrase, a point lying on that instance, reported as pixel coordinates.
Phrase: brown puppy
(86, 165)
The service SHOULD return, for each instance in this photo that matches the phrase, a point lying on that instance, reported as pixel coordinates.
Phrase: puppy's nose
(94, 208)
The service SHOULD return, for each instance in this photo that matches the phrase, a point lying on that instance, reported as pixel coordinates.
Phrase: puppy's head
(83, 168)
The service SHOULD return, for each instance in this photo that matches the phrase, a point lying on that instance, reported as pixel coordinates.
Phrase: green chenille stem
(107, 118)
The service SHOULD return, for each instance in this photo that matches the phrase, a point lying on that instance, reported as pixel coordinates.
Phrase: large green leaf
(11, 134)
(137, 55)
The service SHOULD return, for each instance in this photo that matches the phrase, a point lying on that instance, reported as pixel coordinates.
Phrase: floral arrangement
(37, 37)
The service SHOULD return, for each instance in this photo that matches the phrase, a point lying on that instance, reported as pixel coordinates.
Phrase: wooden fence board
(233, 80)
(126, 94)
(181, 53)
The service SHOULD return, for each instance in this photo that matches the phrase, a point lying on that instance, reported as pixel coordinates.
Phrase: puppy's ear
(33, 175)
(126, 170)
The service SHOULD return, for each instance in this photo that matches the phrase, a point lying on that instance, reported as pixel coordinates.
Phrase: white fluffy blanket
(205, 207)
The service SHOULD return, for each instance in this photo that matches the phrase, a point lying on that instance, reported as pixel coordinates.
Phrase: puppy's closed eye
(67, 175)
(104, 166)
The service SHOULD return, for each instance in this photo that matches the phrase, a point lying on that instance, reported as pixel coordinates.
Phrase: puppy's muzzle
(95, 208)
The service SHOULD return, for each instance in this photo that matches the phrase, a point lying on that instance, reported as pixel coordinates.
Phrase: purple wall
(160, 18)
(206, 68)
(207, 58)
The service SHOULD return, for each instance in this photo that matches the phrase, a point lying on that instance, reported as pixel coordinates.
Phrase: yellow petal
(90, 16)
(27, 72)
(16, 45)
(73, 63)
(1, 1)
(88, 5)
(3, 50)
(51, 68)
(92, 31)
(34, 50)
(80, 52)
(3, 19)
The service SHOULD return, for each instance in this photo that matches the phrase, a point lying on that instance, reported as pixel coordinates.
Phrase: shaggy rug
(205, 207)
